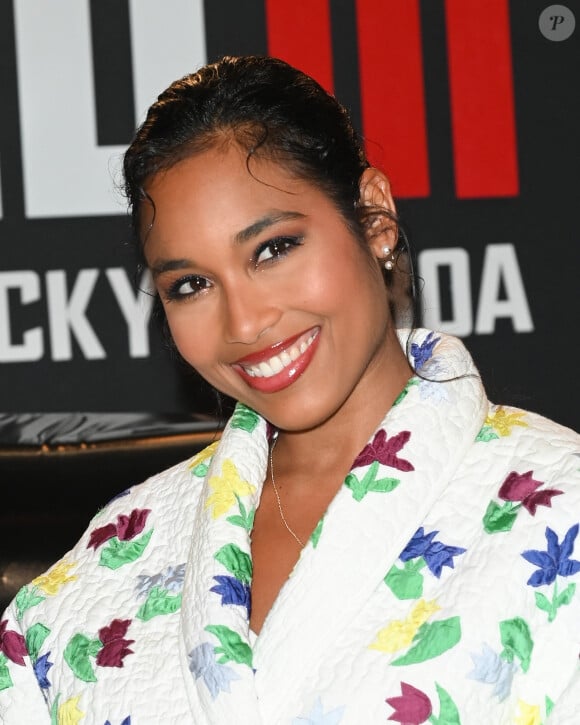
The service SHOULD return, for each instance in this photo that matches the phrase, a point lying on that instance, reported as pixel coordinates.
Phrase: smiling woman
(351, 517)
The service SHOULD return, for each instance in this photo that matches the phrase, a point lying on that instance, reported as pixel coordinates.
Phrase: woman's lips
(279, 366)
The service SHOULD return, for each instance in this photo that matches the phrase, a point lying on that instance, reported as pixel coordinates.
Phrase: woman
(371, 539)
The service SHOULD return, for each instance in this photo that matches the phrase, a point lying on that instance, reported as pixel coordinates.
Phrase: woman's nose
(248, 313)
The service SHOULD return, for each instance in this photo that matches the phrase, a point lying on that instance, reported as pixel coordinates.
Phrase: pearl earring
(388, 262)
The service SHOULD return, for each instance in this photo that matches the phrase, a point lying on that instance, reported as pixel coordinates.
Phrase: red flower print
(522, 487)
(130, 526)
(385, 451)
(413, 707)
(126, 528)
(12, 644)
(99, 536)
(115, 647)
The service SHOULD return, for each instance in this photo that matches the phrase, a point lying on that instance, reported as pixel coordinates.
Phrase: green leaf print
(159, 601)
(5, 679)
(558, 600)
(117, 553)
(233, 648)
(370, 483)
(200, 470)
(486, 434)
(54, 711)
(432, 640)
(549, 705)
(244, 418)
(34, 639)
(565, 597)
(448, 712)
(245, 520)
(517, 641)
(235, 561)
(403, 394)
(315, 536)
(406, 583)
(29, 596)
(77, 653)
(500, 518)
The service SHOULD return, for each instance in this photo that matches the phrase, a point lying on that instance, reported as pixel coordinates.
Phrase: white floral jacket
(439, 587)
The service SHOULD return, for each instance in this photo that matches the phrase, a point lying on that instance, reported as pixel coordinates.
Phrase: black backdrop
(472, 110)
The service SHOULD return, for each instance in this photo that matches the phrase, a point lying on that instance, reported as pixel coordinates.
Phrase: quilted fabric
(439, 587)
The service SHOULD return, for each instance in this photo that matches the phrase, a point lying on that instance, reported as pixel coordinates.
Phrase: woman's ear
(375, 195)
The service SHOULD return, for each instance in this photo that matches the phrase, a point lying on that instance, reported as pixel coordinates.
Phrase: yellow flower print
(529, 714)
(502, 422)
(225, 488)
(399, 634)
(69, 713)
(203, 455)
(51, 582)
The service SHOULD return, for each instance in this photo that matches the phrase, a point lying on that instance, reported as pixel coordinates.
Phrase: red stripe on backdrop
(482, 98)
(392, 92)
(299, 33)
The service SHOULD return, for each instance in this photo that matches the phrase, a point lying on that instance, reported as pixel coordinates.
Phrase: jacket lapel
(395, 481)
(217, 659)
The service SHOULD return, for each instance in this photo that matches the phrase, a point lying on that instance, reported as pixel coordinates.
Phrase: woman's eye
(276, 248)
(187, 287)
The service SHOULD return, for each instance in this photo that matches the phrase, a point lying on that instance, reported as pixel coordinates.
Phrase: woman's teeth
(277, 363)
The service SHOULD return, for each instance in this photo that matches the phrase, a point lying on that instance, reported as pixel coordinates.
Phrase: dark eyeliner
(173, 293)
(290, 242)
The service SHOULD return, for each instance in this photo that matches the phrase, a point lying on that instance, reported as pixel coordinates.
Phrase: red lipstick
(292, 368)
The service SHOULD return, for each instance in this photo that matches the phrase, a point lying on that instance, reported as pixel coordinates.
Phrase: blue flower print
(202, 663)
(493, 670)
(171, 579)
(317, 716)
(556, 560)
(232, 591)
(41, 668)
(423, 352)
(126, 721)
(436, 554)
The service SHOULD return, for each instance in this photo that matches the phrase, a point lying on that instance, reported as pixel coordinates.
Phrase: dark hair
(273, 111)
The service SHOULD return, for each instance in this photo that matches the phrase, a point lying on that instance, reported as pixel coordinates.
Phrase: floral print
(554, 562)
(518, 490)
(51, 582)
(217, 677)
(226, 489)
(422, 550)
(109, 649)
(459, 618)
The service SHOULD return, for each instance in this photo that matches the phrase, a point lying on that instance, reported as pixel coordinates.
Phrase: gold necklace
(290, 530)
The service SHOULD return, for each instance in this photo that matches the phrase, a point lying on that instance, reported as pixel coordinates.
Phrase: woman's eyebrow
(169, 265)
(272, 217)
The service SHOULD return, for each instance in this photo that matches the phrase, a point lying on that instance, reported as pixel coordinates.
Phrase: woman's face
(267, 293)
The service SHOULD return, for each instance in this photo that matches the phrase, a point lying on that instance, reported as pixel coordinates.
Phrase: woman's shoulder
(525, 434)
(142, 533)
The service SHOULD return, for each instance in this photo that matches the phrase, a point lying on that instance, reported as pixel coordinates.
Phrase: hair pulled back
(275, 112)
(265, 105)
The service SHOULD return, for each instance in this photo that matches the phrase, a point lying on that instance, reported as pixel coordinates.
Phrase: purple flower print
(556, 560)
(41, 668)
(126, 528)
(436, 554)
(232, 591)
(423, 352)
(385, 451)
(115, 647)
(522, 487)
(412, 707)
(12, 644)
